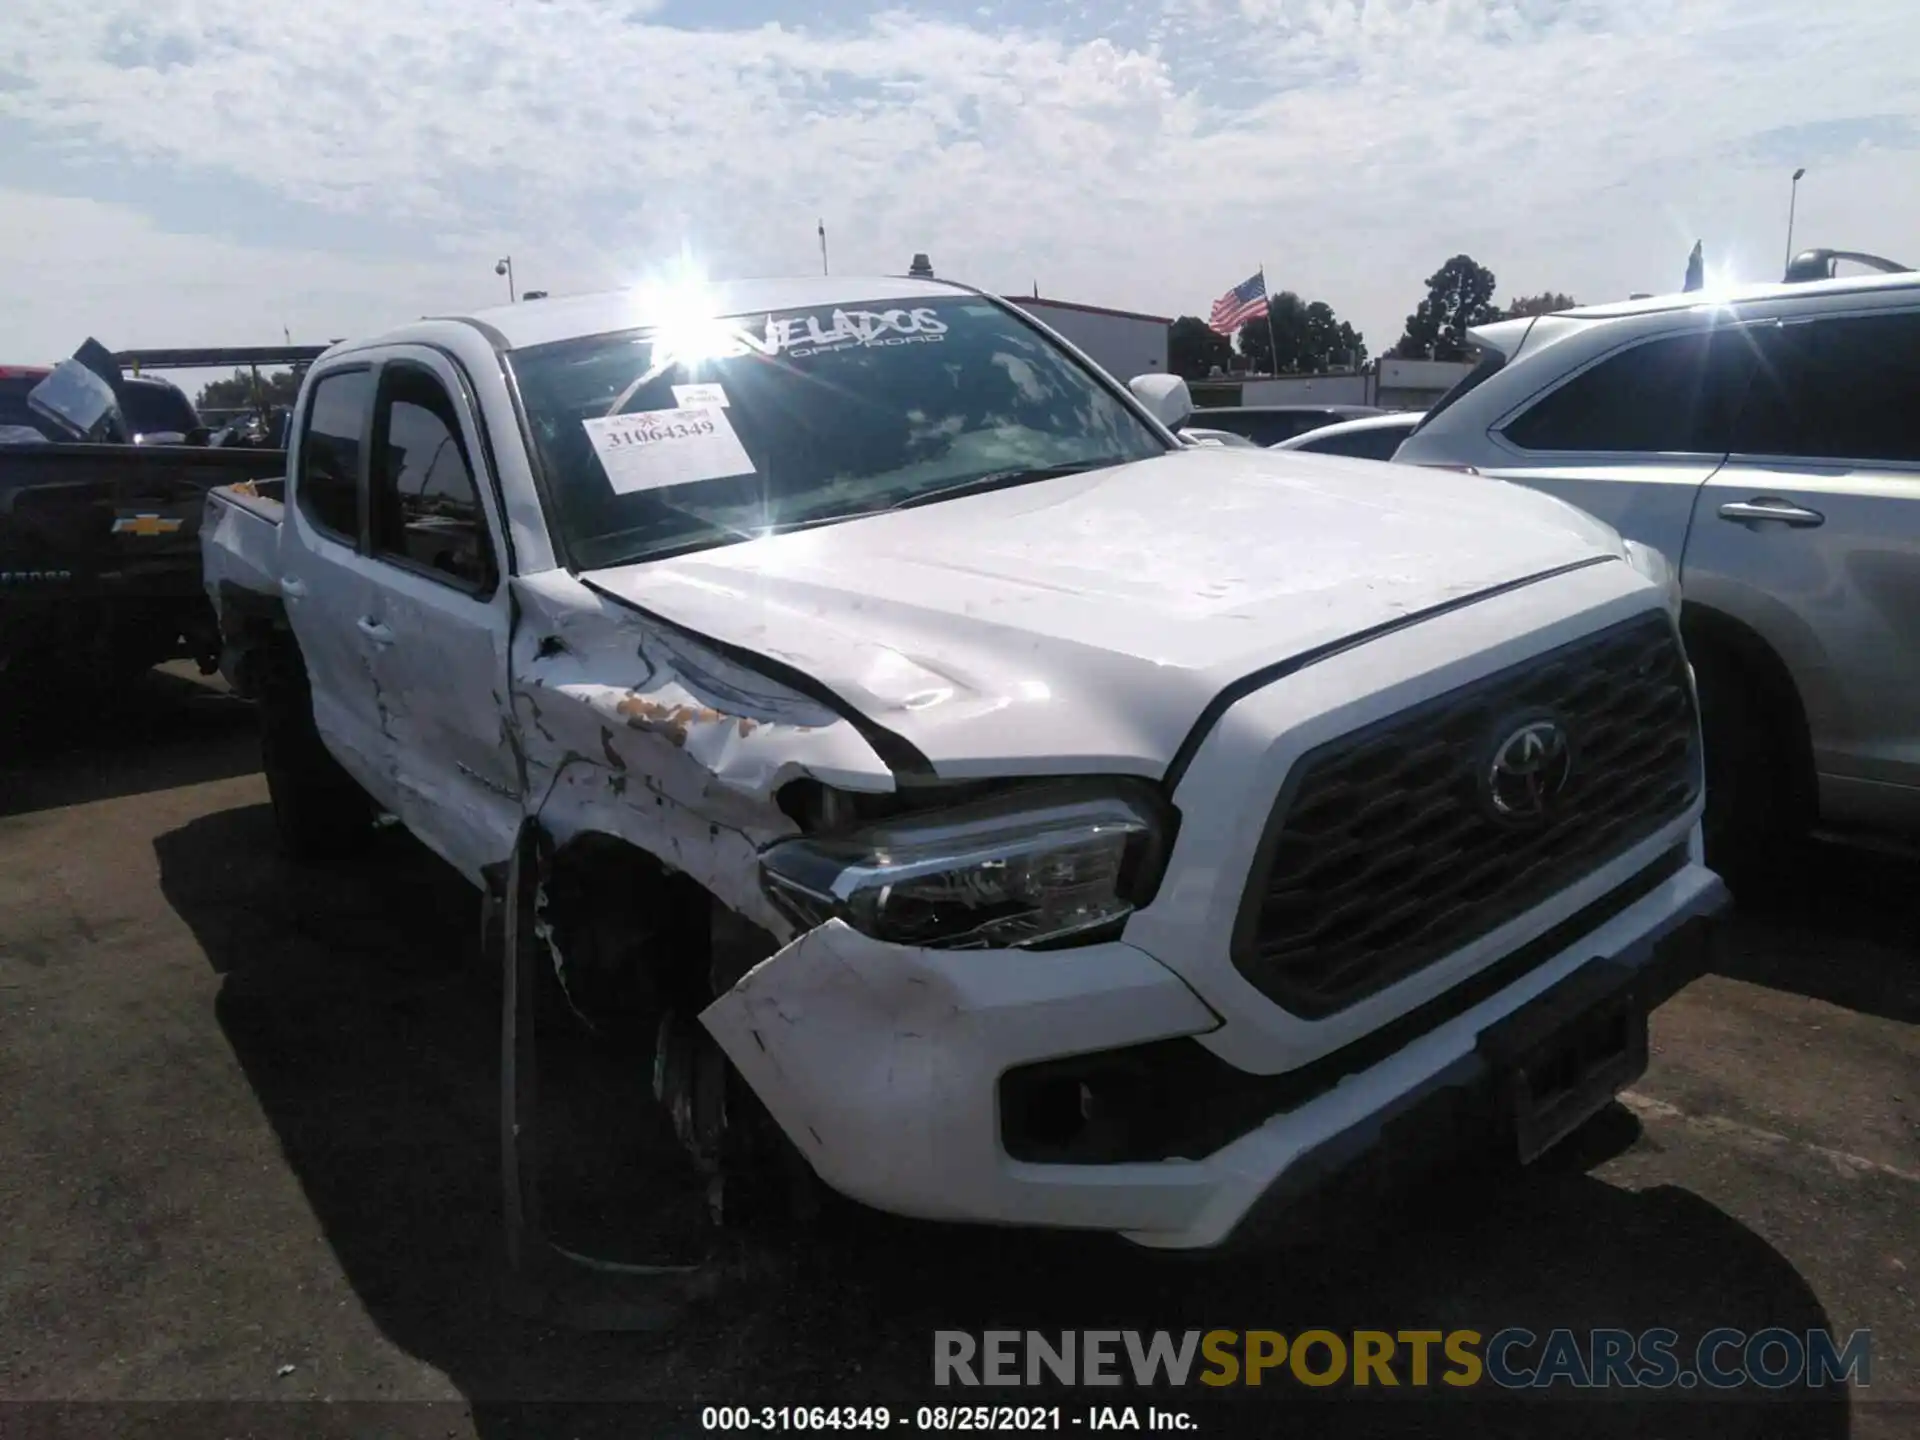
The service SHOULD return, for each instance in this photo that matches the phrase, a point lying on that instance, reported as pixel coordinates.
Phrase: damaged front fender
(629, 729)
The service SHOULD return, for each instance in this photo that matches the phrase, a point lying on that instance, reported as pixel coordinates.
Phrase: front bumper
(883, 1065)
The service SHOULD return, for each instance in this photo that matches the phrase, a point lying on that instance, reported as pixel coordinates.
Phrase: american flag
(1246, 301)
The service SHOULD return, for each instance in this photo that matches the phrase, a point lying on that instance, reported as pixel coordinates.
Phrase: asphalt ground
(250, 1170)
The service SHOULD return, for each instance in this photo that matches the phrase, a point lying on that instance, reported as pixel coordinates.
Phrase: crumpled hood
(1083, 623)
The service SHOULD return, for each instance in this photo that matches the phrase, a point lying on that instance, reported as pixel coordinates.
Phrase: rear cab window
(152, 406)
(660, 441)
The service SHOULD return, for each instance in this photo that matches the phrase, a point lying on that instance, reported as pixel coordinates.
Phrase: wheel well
(254, 633)
(639, 931)
(1777, 704)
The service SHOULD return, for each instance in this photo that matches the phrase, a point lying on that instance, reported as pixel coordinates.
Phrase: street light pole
(1793, 200)
(504, 266)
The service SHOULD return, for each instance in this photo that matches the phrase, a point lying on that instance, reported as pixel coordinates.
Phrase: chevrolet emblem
(147, 524)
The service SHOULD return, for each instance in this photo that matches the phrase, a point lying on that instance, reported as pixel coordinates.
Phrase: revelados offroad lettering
(848, 328)
(801, 336)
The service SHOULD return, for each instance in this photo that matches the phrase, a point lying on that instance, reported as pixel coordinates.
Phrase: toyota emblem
(1529, 771)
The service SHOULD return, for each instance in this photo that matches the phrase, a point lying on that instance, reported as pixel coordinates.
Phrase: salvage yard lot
(250, 1123)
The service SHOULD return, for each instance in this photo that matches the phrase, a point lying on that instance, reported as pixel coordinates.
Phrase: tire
(638, 962)
(320, 810)
(1756, 815)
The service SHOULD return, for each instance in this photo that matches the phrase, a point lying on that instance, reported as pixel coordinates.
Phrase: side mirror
(1166, 396)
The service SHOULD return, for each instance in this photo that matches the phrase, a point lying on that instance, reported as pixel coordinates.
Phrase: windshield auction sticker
(700, 397)
(652, 449)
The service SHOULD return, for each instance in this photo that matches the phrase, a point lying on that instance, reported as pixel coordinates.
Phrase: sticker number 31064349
(652, 449)
(651, 434)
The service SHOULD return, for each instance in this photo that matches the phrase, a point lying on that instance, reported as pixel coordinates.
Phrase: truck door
(323, 579)
(1811, 533)
(437, 613)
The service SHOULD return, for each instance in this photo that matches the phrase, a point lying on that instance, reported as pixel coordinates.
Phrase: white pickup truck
(1051, 824)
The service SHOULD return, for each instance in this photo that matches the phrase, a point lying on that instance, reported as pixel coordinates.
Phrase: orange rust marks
(246, 488)
(747, 727)
(671, 721)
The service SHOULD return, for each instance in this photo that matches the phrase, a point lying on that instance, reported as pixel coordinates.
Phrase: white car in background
(1767, 441)
(1373, 437)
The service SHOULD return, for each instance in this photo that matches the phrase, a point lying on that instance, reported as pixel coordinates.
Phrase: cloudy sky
(211, 171)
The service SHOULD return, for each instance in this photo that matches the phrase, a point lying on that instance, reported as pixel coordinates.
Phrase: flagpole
(1273, 345)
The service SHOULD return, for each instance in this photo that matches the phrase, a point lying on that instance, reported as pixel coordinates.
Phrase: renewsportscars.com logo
(1512, 1358)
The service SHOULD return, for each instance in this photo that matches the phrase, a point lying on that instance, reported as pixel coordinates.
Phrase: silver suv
(1768, 442)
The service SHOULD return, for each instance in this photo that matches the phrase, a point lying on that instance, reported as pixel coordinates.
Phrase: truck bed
(240, 538)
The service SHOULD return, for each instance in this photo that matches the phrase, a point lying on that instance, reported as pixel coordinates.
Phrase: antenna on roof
(922, 268)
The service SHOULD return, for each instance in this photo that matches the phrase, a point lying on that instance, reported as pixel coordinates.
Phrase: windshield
(728, 429)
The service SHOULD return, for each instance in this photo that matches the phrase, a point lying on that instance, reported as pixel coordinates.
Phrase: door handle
(292, 589)
(1762, 509)
(374, 630)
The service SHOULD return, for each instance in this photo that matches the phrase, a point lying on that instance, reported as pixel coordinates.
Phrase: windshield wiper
(978, 484)
(1001, 480)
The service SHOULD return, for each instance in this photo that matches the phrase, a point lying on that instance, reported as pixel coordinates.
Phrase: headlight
(1653, 565)
(1034, 866)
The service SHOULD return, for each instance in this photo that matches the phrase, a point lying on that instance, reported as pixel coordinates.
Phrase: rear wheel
(321, 811)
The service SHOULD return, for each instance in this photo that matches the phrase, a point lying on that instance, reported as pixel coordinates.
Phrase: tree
(1253, 342)
(1194, 348)
(1330, 341)
(1309, 338)
(1459, 295)
(240, 392)
(1545, 303)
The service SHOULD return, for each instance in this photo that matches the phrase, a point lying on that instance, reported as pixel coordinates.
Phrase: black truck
(100, 575)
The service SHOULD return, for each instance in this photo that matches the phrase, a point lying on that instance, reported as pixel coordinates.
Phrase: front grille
(1385, 851)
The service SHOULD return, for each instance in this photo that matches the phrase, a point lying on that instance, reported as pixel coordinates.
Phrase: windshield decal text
(798, 338)
(850, 329)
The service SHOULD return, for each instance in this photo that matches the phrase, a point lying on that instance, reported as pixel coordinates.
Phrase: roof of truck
(567, 317)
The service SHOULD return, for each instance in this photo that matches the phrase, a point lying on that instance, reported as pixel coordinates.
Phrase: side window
(1839, 389)
(425, 506)
(1674, 394)
(329, 481)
